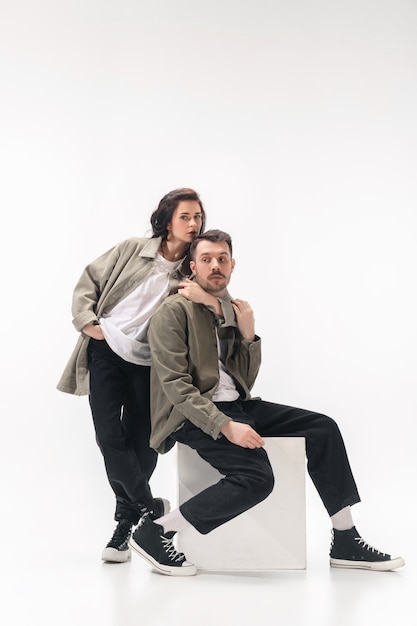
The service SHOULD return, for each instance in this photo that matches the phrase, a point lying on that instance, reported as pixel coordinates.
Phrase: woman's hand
(192, 291)
(94, 331)
(245, 318)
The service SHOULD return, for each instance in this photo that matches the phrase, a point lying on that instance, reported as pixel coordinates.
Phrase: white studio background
(295, 120)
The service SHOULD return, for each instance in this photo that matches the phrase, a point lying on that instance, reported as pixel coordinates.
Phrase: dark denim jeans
(119, 401)
(248, 477)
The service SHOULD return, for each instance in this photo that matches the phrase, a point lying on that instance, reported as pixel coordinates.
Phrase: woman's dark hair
(214, 236)
(162, 215)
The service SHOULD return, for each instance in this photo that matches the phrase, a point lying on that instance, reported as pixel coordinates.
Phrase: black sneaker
(149, 541)
(350, 551)
(161, 507)
(117, 550)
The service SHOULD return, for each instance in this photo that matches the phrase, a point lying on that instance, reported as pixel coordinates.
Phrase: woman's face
(186, 222)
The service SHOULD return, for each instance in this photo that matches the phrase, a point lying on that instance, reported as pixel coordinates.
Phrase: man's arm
(171, 341)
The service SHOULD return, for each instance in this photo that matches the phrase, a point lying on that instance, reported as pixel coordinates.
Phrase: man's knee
(268, 485)
(324, 423)
(263, 485)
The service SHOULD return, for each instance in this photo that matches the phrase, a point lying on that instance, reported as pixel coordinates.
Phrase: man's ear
(233, 263)
(192, 266)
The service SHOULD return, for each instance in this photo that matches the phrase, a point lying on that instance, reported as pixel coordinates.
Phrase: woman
(113, 302)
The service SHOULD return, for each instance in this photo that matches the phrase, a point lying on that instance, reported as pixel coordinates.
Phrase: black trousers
(120, 406)
(248, 477)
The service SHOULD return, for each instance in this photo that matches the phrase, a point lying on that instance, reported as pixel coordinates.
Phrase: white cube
(271, 535)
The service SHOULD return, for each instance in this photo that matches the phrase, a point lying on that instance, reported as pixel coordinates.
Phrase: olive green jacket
(102, 285)
(185, 366)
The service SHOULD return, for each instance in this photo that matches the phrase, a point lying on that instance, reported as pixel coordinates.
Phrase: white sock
(342, 520)
(173, 521)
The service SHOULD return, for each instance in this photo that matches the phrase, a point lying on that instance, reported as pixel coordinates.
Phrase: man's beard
(215, 287)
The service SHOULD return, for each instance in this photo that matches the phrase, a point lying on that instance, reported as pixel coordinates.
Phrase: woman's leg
(108, 388)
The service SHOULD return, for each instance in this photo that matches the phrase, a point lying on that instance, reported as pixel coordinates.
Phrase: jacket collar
(150, 250)
(151, 247)
(228, 312)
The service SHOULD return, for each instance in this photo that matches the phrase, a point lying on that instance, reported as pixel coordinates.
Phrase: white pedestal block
(271, 535)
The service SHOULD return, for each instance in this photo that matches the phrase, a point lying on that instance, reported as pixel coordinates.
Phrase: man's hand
(245, 319)
(242, 435)
(192, 291)
(94, 331)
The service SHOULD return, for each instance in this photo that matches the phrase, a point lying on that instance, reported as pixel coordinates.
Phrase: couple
(205, 359)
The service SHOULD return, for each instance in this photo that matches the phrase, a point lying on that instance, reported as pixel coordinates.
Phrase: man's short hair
(213, 235)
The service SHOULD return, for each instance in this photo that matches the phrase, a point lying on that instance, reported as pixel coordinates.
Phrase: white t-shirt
(226, 390)
(125, 327)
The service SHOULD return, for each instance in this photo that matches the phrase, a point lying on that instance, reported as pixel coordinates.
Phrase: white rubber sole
(184, 570)
(111, 555)
(167, 505)
(376, 566)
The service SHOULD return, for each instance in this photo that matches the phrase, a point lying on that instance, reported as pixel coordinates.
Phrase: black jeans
(248, 477)
(120, 406)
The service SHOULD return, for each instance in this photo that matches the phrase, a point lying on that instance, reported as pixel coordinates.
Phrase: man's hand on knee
(242, 435)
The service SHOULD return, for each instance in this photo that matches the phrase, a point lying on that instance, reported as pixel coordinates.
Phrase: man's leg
(327, 461)
(329, 468)
(248, 479)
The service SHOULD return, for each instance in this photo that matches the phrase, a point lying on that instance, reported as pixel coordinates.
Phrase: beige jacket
(185, 367)
(102, 285)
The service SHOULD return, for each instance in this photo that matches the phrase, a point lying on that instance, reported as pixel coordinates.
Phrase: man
(205, 360)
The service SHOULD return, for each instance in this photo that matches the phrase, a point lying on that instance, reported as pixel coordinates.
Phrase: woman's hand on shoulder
(245, 318)
(192, 291)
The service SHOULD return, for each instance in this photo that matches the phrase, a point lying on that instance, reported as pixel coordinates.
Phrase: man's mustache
(217, 274)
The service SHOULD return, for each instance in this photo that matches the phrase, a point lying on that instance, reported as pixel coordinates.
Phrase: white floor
(52, 573)
(62, 581)
(68, 588)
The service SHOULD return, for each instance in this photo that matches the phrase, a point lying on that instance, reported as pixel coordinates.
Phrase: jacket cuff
(88, 317)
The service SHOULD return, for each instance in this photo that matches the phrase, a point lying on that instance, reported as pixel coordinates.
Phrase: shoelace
(169, 548)
(121, 533)
(367, 546)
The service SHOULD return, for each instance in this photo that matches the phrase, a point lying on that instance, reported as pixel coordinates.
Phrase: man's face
(212, 266)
